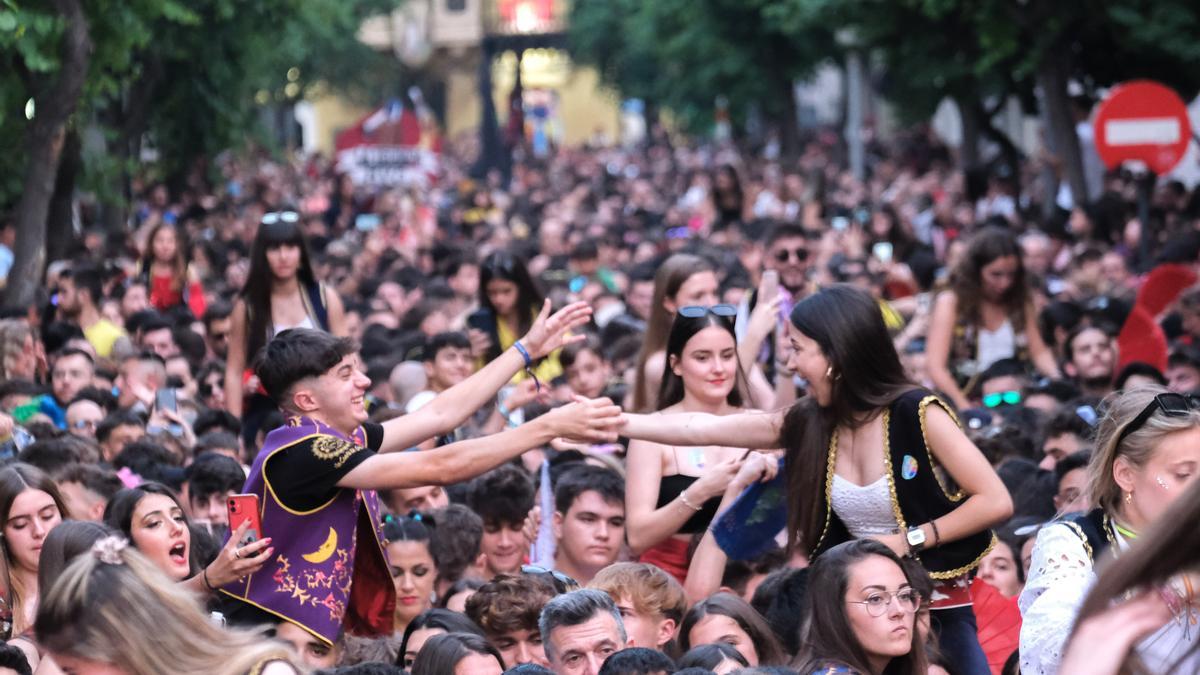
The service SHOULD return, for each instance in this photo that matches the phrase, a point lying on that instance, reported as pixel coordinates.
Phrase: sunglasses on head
(699, 311)
(562, 582)
(998, 398)
(1171, 405)
(280, 217)
(783, 254)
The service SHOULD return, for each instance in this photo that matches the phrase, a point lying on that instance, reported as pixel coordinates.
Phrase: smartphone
(244, 508)
(882, 251)
(770, 285)
(840, 223)
(165, 399)
(482, 320)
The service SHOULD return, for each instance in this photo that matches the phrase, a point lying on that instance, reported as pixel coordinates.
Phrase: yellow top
(103, 334)
(546, 370)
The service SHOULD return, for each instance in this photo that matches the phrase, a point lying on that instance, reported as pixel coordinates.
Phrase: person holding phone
(509, 301)
(316, 477)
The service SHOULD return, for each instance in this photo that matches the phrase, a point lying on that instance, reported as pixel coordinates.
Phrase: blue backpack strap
(316, 299)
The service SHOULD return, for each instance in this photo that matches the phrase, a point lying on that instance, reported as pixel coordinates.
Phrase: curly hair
(510, 603)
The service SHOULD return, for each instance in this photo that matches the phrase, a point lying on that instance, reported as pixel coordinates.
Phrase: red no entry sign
(1145, 121)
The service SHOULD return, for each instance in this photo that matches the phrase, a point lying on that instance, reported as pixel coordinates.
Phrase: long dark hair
(987, 246)
(118, 515)
(257, 292)
(827, 636)
(683, 329)
(178, 265)
(848, 326)
(451, 622)
(67, 540)
(442, 653)
(672, 274)
(770, 653)
(510, 267)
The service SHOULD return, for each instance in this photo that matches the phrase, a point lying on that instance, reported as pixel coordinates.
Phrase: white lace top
(866, 510)
(1060, 576)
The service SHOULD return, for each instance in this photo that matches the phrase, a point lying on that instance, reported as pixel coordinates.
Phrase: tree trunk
(1052, 77)
(44, 139)
(789, 132)
(968, 151)
(61, 216)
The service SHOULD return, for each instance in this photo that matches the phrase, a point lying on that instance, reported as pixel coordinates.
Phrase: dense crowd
(673, 409)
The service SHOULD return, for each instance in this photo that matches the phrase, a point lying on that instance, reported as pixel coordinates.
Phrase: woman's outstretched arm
(743, 430)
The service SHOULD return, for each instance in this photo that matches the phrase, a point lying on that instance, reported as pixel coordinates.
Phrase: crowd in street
(678, 408)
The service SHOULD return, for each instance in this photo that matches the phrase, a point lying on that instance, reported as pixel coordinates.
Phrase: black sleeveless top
(671, 487)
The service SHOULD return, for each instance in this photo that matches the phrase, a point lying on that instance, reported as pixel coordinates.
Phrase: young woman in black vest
(869, 455)
(281, 292)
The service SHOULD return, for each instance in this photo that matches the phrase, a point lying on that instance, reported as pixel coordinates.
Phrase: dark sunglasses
(699, 311)
(783, 254)
(562, 582)
(995, 399)
(1171, 405)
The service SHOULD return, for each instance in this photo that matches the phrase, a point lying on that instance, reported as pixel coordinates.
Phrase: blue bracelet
(524, 354)
(528, 364)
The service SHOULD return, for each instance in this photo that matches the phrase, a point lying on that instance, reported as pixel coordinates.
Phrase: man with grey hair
(580, 630)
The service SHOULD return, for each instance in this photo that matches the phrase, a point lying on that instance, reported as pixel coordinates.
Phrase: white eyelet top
(866, 510)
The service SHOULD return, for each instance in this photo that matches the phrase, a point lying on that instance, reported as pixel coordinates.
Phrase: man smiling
(316, 476)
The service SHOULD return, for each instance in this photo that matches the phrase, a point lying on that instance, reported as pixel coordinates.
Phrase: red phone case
(244, 508)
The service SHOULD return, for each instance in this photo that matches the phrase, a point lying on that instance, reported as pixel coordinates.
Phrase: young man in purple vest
(316, 476)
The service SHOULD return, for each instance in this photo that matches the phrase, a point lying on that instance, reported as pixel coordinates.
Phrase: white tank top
(866, 510)
(995, 345)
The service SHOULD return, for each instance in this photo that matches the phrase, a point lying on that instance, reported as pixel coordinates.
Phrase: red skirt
(671, 556)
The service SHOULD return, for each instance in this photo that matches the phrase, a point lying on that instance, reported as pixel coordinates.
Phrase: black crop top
(671, 487)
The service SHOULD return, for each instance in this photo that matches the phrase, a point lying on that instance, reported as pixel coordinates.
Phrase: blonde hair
(1120, 408)
(128, 613)
(648, 588)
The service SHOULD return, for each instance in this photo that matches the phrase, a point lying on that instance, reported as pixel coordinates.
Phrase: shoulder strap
(316, 297)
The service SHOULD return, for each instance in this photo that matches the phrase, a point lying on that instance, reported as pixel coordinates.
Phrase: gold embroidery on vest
(333, 449)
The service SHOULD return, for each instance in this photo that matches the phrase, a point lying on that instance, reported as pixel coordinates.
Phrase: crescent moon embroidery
(323, 551)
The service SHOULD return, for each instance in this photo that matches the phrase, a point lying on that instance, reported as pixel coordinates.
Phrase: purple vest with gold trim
(330, 569)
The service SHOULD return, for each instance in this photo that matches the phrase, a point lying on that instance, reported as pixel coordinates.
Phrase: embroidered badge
(908, 467)
(333, 449)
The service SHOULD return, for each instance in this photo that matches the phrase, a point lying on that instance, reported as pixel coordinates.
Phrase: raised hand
(587, 420)
(236, 561)
(550, 332)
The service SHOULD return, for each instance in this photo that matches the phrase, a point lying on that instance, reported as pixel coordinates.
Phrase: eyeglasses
(877, 603)
(280, 217)
(562, 582)
(1172, 405)
(84, 424)
(783, 254)
(699, 311)
(996, 398)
